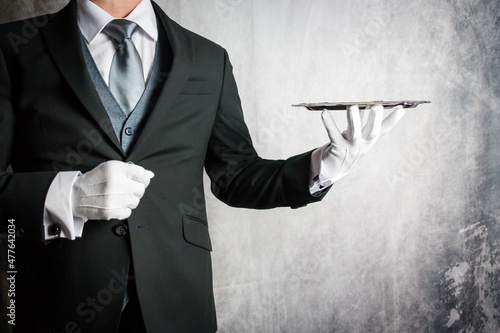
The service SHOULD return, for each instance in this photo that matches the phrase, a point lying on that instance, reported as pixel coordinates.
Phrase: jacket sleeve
(22, 195)
(239, 176)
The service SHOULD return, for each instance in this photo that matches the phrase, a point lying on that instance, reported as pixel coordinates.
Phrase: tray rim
(362, 105)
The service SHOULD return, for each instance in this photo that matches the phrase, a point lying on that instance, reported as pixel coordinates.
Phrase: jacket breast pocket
(198, 88)
(196, 233)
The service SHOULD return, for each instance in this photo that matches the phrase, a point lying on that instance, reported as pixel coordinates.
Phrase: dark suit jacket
(52, 119)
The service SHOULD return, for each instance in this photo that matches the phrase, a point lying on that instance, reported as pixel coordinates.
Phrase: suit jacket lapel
(182, 49)
(62, 37)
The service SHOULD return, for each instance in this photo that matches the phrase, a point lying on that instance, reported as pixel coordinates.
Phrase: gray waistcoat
(128, 128)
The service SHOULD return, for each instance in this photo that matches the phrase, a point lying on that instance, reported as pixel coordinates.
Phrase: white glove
(345, 148)
(109, 191)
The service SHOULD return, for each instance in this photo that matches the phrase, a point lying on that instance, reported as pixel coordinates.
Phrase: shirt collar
(92, 18)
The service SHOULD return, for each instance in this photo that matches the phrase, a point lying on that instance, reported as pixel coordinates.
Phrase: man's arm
(22, 195)
(239, 176)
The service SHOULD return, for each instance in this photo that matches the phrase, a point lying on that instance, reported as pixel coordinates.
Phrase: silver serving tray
(362, 105)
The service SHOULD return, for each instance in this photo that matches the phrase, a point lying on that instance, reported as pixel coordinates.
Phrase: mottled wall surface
(408, 241)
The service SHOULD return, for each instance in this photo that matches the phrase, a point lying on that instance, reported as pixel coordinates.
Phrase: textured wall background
(408, 242)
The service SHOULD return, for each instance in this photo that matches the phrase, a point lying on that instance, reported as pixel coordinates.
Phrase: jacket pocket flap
(196, 232)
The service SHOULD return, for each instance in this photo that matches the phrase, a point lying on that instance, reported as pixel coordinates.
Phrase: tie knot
(120, 29)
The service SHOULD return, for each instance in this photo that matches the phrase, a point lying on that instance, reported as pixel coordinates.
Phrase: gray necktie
(126, 78)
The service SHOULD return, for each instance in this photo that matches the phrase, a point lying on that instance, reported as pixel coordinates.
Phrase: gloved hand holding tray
(362, 105)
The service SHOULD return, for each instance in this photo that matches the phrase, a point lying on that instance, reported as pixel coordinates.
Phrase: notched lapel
(182, 49)
(62, 37)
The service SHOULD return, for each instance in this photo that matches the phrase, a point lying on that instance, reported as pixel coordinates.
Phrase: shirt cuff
(319, 180)
(58, 211)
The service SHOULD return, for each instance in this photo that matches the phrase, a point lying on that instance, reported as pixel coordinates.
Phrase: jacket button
(129, 131)
(55, 230)
(120, 230)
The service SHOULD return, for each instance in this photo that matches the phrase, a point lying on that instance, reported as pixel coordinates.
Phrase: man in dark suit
(106, 195)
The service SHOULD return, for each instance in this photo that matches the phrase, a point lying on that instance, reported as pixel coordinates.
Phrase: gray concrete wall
(408, 241)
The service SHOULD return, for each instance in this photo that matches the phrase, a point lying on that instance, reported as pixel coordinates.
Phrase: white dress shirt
(91, 20)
